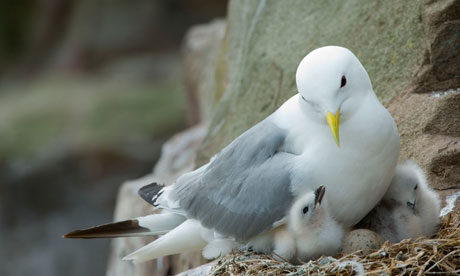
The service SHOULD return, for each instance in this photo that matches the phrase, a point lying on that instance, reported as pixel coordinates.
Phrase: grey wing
(245, 188)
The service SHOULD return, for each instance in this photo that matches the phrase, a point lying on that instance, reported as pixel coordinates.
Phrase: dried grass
(438, 255)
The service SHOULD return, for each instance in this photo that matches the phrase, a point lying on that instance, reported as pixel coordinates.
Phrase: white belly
(355, 181)
(357, 174)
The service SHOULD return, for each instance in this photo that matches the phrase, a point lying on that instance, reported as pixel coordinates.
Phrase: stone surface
(408, 48)
(178, 156)
(439, 69)
(428, 127)
(361, 239)
(429, 132)
(266, 40)
(198, 271)
(200, 51)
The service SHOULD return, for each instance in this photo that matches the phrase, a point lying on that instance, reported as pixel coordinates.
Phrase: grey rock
(198, 271)
(408, 48)
(266, 40)
(200, 51)
(178, 156)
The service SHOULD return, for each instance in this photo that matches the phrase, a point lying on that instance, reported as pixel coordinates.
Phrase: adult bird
(249, 186)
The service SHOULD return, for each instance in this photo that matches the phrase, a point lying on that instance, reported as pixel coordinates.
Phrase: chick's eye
(343, 82)
(416, 186)
(305, 209)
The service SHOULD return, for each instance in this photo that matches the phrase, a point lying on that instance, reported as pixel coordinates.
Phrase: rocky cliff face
(410, 50)
(403, 46)
(178, 157)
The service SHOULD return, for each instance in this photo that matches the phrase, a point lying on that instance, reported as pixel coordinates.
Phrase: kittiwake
(249, 186)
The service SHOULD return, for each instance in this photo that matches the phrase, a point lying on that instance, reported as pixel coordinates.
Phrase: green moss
(148, 111)
(86, 113)
(30, 131)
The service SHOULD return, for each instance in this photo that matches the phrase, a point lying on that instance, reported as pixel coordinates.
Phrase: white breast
(358, 173)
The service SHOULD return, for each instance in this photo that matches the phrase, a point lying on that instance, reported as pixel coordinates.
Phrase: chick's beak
(333, 122)
(319, 194)
(411, 205)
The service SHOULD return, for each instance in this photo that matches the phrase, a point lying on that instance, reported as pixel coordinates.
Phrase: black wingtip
(124, 228)
(150, 192)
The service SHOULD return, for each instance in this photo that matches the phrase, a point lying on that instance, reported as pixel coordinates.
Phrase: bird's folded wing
(245, 189)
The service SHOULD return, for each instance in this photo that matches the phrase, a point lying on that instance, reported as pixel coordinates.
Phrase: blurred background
(89, 90)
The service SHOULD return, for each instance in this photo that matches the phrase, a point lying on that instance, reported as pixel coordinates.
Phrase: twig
(455, 251)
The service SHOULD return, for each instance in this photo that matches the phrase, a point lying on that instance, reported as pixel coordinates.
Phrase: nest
(438, 255)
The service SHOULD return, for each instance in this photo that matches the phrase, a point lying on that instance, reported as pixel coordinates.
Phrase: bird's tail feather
(155, 224)
(187, 237)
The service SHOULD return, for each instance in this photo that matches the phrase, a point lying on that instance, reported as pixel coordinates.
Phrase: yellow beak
(333, 122)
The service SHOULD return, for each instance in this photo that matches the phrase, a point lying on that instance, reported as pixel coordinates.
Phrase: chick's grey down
(409, 209)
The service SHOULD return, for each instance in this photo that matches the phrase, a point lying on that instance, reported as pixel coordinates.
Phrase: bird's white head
(332, 83)
(306, 211)
(405, 185)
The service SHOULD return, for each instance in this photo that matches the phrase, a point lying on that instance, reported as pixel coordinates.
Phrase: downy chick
(310, 232)
(409, 208)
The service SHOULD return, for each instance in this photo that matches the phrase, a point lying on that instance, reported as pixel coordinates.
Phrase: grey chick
(310, 231)
(410, 208)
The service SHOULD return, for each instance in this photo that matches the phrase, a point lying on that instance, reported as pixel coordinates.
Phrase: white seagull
(249, 186)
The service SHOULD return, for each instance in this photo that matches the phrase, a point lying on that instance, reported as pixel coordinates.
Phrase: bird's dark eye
(305, 209)
(343, 82)
(416, 186)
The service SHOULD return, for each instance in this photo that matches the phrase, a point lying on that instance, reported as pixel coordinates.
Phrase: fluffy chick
(310, 232)
(410, 208)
